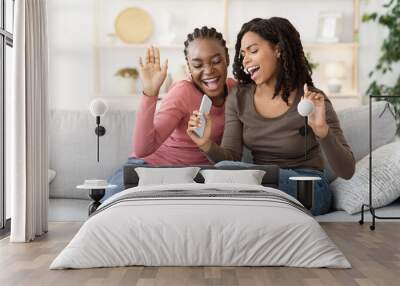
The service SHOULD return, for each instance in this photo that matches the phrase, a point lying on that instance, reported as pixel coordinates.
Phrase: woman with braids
(261, 113)
(160, 138)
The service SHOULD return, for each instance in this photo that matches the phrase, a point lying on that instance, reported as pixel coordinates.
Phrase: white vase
(124, 86)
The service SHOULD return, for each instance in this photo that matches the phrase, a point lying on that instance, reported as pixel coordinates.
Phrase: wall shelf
(338, 45)
(343, 95)
(138, 46)
(306, 45)
(227, 16)
(320, 45)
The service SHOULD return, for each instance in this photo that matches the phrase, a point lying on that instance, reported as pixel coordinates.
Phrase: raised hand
(204, 142)
(151, 73)
(317, 119)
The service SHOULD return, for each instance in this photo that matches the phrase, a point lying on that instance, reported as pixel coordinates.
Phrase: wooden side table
(305, 190)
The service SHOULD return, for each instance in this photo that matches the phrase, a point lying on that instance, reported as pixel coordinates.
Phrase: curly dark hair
(205, 33)
(294, 70)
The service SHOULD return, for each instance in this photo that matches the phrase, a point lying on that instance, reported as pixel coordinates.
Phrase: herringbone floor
(374, 255)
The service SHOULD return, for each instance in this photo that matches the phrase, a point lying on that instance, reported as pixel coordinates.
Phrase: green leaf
(390, 54)
(369, 17)
(388, 4)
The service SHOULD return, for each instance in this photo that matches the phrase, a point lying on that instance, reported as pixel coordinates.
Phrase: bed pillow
(248, 177)
(163, 176)
(349, 195)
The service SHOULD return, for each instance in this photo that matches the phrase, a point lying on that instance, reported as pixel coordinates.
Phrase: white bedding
(183, 231)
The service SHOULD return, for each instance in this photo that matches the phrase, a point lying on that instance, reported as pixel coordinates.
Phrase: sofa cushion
(351, 194)
(72, 148)
(354, 122)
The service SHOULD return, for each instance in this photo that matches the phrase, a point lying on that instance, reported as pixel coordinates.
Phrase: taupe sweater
(277, 140)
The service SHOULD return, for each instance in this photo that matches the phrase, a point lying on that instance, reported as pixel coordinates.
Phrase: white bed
(239, 229)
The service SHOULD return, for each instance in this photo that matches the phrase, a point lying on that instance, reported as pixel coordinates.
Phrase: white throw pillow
(351, 194)
(248, 177)
(51, 175)
(164, 176)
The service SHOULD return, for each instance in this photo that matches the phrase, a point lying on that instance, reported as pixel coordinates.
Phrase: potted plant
(390, 54)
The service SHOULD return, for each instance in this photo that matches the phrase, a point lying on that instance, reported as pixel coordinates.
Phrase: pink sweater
(161, 139)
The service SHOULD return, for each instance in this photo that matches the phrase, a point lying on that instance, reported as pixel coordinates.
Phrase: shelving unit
(110, 54)
(315, 45)
(138, 46)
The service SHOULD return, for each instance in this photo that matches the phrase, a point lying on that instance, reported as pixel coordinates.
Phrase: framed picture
(329, 27)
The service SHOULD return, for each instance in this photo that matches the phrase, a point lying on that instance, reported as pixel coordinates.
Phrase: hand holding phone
(205, 107)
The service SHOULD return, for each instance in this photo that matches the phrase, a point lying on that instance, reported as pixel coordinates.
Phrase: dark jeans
(117, 178)
(322, 194)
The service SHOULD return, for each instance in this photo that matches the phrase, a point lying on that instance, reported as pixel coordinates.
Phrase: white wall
(70, 53)
(71, 34)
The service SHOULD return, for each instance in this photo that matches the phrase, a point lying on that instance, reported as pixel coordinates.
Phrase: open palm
(152, 74)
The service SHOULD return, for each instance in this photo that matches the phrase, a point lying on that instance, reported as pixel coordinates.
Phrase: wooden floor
(374, 255)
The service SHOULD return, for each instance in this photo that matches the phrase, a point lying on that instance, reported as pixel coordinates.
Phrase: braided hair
(205, 33)
(294, 69)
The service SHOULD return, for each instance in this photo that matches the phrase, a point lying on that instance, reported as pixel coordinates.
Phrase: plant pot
(124, 86)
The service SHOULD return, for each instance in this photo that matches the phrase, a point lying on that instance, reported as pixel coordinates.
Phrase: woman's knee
(322, 197)
(285, 184)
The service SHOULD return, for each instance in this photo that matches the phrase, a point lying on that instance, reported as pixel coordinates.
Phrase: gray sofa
(72, 144)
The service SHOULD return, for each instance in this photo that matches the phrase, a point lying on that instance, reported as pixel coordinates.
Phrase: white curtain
(27, 121)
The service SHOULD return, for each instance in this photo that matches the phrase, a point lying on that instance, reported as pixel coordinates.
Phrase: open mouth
(211, 83)
(252, 70)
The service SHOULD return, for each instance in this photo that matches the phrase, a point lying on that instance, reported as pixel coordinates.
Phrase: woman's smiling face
(208, 65)
(260, 58)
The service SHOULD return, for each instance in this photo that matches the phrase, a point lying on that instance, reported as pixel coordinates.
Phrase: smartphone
(205, 107)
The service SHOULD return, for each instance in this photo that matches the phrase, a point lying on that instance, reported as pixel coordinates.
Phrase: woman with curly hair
(261, 113)
(160, 138)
